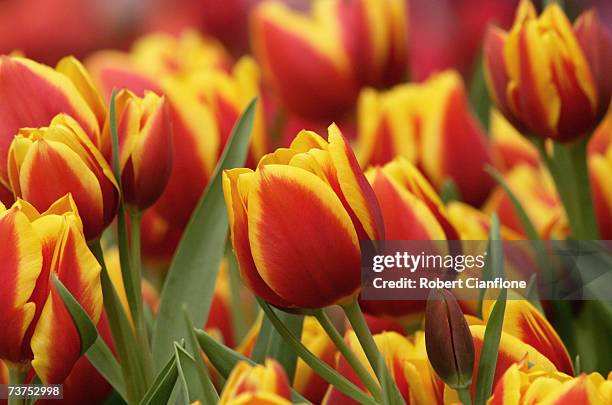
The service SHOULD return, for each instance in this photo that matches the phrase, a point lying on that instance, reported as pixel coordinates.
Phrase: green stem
(569, 170)
(319, 367)
(17, 376)
(362, 331)
(363, 374)
(464, 395)
(127, 347)
(142, 334)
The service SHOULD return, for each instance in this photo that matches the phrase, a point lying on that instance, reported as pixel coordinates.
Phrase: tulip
(523, 321)
(600, 169)
(534, 189)
(539, 77)
(411, 210)
(307, 382)
(406, 360)
(154, 57)
(31, 94)
(145, 143)
(250, 384)
(473, 224)
(596, 42)
(85, 383)
(519, 385)
(346, 45)
(48, 162)
(297, 220)
(510, 148)
(450, 347)
(431, 125)
(38, 328)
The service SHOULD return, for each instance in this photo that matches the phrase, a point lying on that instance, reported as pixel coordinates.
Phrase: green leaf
(87, 330)
(494, 266)
(386, 383)
(206, 387)
(321, 368)
(479, 94)
(163, 385)
(224, 359)
(187, 378)
(449, 191)
(271, 344)
(490, 350)
(92, 344)
(191, 278)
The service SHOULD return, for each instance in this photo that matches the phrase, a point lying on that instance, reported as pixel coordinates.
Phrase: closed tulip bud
(48, 162)
(431, 125)
(596, 42)
(449, 343)
(38, 328)
(253, 384)
(145, 143)
(539, 77)
(297, 220)
(66, 89)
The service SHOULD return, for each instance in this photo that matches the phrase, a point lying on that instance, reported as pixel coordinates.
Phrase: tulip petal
(21, 262)
(21, 81)
(50, 170)
(354, 185)
(580, 390)
(525, 322)
(302, 239)
(239, 230)
(56, 343)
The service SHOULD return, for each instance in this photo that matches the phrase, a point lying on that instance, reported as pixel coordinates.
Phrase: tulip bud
(449, 343)
(49, 162)
(596, 42)
(145, 143)
(297, 220)
(247, 384)
(38, 327)
(539, 77)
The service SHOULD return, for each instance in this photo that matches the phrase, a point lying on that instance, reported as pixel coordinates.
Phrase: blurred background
(443, 33)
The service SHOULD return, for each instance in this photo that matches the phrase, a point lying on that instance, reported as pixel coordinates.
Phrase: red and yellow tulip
(296, 222)
(521, 385)
(534, 189)
(261, 384)
(411, 210)
(39, 330)
(407, 361)
(539, 76)
(145, 143)
(600, 169)
(523, 321)
(345, 45)
(32, 94)
(307, 382)
(46, 163)
(431, 125)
